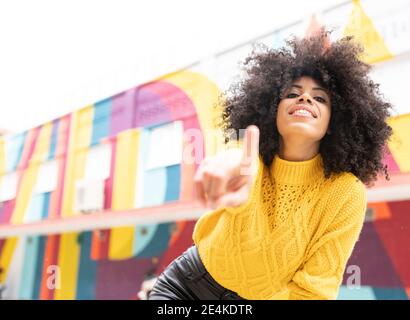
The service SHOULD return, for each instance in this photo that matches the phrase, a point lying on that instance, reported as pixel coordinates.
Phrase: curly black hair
(358, 128)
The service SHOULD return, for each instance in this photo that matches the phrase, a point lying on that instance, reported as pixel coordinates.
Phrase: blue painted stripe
(35, 208)
(29, 268)
(173, 181)
(158, 240)
(143, 149)
(13, 149)
(101, 120)
(390, 293)
(39, 267)
(87, 273)
(53, 140)
(46, 205)
(155, 186)
(352, 293)
(144, 234)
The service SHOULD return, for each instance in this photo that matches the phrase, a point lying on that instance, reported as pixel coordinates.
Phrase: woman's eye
(320, 99)
(291, 95)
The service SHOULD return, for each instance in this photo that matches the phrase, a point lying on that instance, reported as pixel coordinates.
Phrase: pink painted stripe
(61, 151)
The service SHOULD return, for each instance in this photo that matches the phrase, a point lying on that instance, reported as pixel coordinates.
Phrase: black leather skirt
(187, 279)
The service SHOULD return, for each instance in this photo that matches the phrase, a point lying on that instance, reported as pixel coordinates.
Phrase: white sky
(58, 56)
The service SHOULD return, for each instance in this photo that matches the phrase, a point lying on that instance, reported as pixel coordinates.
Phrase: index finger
(250, 146)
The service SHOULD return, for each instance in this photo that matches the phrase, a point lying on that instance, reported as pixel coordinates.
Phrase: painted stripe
(80, 137)
(157, 242)
(399, 144)
(87, 270)
(31, 255)
(155, 187)
(50, 259)
(181, 239)
(27, 150)
(68, 263)
(39, 268)
(30, 174)
(122, 113)
(53, 140)
(7, 211)
(101, 121)
(13, 280)
(362, 293)
(2, 158)
(30, 142)
(1, 211)
(56, 197)
(152, 110)
(361, 27)
(203, 94)
(35, 208)
(120, 280)
(195, 150)
(390, 293)
(144, 234)
(6, 257)
(145, 136)
(176, 103)
(173, 180)
(46, 205)
(13, 150)
(101, 238)
(121, 239)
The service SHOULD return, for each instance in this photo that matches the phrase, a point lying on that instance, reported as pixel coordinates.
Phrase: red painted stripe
(101, 238)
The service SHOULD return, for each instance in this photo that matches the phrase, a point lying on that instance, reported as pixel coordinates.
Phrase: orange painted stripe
(381, 209)
(50, 258)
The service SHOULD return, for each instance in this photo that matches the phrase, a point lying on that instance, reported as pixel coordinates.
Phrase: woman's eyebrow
(319, 88)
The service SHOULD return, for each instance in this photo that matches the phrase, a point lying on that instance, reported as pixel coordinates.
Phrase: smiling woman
(305, 108)
(289, 206)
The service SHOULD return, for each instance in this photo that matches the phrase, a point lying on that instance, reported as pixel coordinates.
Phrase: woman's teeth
(302, 112)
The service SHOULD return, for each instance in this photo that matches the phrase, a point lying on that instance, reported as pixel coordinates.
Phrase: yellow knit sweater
(291, 239)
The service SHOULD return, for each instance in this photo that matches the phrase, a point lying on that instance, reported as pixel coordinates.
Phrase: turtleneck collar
(296, 172)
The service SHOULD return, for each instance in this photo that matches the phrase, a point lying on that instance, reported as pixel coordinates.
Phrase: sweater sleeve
(321, 274)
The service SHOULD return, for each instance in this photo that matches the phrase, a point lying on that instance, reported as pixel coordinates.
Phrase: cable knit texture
(291, 239)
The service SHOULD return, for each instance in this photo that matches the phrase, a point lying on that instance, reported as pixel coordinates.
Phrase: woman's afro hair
(358, 128)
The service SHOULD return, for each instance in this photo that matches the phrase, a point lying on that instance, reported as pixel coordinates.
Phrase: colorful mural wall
(112, 144)
(101, 157)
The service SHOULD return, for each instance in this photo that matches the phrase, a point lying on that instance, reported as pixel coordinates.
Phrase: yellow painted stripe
(29, 176)
(361, 27)
(80, 138)
(124, 184)
(204, 94)
(6, 256)
(399, 143)
(68, 263)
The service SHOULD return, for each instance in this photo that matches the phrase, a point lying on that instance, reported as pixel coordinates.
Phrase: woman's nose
(305, 97)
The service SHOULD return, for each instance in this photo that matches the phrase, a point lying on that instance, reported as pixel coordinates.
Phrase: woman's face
(304, 111)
